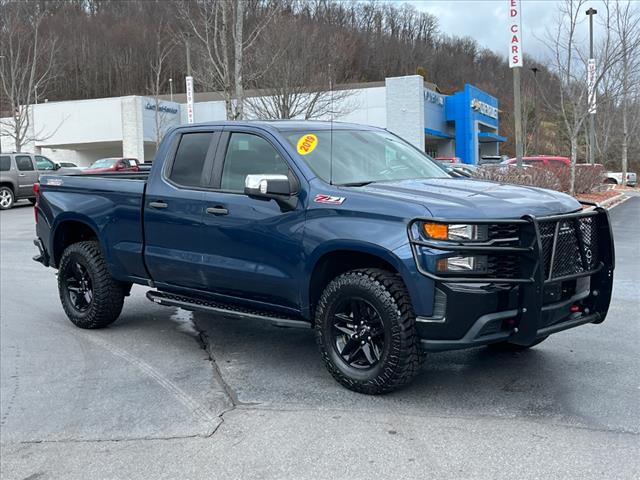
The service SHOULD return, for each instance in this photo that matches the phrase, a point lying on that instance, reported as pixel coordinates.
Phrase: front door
(27, 175)
(174, 209)
(253, 246)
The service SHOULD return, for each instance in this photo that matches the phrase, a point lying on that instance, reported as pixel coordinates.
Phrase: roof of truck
(290, 125)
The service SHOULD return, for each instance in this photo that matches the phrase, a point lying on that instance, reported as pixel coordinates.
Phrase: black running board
(198, 304)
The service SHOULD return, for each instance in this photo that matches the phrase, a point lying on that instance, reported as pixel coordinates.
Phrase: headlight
(454, 232)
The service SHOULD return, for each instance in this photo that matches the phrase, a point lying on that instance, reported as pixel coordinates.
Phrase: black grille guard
(530, 279)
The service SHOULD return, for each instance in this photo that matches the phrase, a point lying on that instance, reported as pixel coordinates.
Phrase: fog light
(476, 264)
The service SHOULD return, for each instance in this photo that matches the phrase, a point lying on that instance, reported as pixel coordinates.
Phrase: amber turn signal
(438, 231)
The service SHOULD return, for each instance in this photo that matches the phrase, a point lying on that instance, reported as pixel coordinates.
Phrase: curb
(609, 203)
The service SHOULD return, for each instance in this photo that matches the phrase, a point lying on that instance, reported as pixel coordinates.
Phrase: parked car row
(19, 171)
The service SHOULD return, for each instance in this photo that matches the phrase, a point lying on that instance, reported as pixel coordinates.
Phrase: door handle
(158, 204)
(22, 174)
(219, 210)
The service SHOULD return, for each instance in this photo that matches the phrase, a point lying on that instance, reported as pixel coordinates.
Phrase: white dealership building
(464, 124)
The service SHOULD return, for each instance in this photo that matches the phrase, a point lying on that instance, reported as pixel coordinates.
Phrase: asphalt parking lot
(164, 393)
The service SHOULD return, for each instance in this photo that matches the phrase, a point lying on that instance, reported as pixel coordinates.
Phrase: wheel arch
(328, 263)
(67, 232)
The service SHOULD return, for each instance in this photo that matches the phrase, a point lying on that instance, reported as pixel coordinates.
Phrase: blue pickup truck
(343, 228)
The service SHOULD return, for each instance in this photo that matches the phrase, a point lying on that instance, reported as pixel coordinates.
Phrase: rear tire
(90, 296)
(7, 198)
(512, 347)
(365, 330)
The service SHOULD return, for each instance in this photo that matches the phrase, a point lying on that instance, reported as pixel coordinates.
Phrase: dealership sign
(484, 108)
(432, 97)
(161, 108)
(591, 83)
(515, 34)
(189, 82)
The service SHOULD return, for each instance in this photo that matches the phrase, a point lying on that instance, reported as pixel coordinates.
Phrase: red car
(541, 161)
(113, 165)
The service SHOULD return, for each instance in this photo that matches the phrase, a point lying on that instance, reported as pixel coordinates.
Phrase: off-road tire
(512, 347)
(402, 355)
(108, 294)
(7, 193)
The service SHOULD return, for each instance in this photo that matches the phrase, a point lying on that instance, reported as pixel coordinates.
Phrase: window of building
(5, 163)
(190, 159)
(24, 163)
(249, 154)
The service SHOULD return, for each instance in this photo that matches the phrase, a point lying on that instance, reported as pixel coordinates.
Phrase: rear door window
(188, 164)
(5, 163)
(24, 163)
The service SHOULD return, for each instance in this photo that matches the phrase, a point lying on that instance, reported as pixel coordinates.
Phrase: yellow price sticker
(307, 144)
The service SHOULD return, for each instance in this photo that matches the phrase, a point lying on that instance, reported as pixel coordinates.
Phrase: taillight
(36, 190)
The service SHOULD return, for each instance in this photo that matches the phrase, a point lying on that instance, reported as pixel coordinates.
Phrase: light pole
(591, 93)
(535, 109)
(171, 88)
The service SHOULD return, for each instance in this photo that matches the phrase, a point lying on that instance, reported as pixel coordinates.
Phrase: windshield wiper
(356, 184)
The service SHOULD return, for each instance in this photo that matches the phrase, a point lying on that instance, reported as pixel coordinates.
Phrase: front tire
(365, 330)
(90, 296)
(7, 198)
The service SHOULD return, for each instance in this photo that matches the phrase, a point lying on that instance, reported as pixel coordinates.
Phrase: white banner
(189, 82)
(515, 34)
(591, 84)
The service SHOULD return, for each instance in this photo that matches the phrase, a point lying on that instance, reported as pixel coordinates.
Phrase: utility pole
(535, 110)
(591, 86)
(171, 89)
(189, 80)
(516, 62)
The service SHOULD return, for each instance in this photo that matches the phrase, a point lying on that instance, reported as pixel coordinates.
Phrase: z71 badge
(330, 199)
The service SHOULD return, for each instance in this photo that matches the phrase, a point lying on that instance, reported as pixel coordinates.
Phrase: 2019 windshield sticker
(330, 199)
(307, 144)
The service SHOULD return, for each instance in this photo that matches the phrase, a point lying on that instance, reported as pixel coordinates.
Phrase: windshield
(103, 162)
(361, 156)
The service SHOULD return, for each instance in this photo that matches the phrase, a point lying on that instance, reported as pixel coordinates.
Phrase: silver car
(18, 172)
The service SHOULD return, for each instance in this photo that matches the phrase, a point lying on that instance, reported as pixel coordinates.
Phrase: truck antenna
(331, 126)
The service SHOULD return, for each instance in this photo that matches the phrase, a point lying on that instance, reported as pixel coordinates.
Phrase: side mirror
(56, 166)
(119, 166)
(268, 186)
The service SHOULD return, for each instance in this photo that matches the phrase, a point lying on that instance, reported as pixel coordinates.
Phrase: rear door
(27, 175)
(174, 208)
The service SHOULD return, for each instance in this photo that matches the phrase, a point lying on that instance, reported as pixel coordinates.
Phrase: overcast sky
(486, 21)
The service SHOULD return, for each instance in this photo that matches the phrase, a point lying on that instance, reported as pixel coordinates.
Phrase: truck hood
(469, 198)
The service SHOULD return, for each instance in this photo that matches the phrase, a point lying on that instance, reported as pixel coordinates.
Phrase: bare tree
(627, 32)
(217, 26)
(569, 63)
(163, 44)
(27, 60)
(297, 82)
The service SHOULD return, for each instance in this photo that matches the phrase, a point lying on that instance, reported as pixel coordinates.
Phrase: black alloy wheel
(79, 286)
(358, 333)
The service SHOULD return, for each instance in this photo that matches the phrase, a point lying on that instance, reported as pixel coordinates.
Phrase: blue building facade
(464, 125)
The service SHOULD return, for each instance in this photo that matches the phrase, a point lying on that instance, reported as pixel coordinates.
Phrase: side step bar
(198, 304)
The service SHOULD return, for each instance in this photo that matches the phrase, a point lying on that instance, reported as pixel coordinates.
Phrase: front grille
(576, 246)
(504, 266)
